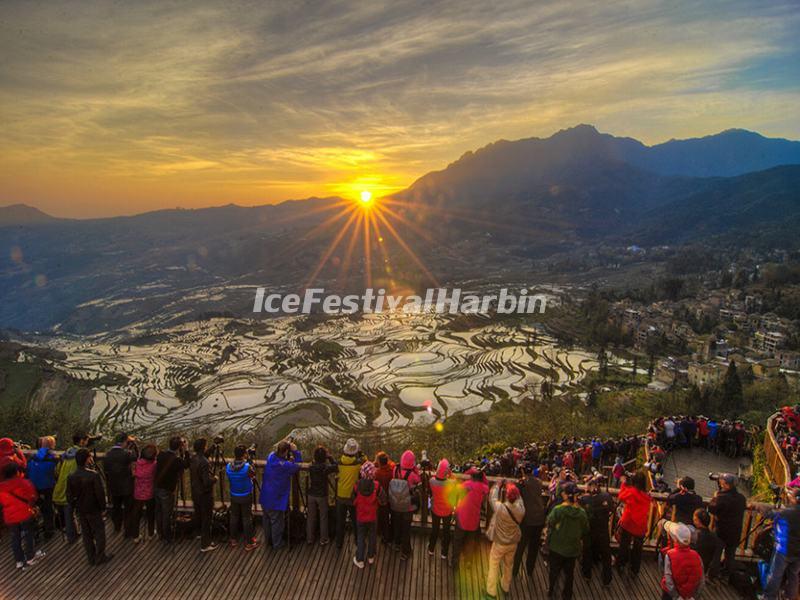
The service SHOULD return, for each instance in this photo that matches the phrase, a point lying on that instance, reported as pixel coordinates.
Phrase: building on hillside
(706, 374)
(768, 341)
(767, 368)
(789, 359)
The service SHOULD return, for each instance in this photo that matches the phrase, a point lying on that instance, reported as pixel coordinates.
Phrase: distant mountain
(22, 214)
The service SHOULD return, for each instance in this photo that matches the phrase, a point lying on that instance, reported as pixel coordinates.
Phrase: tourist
(633, 522)
(170, 465)
(349, 465)
(202, 482)
(240, 475)
(384, 472)
(728, 506)
(599, 507)
(685, 501)
(367, 491)
(319, 471)
(10, 453)
(117, 465)
(706, 543)
(443, 488)
(530, 488)
(87, 495)
(683, 568)
(276, 485)
(784, 566)
(65, 468)
(144, 474)
(17, 499)
(404, 501)
(468, 512)
(508, 510)
(42, 473)
(567, 526)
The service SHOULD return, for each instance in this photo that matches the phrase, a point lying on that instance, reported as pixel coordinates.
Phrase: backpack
(400, 493)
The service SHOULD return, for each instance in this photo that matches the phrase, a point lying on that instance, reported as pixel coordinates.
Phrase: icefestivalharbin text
(439, 300)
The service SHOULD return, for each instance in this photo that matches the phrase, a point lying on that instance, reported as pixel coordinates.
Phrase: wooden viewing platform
(153, 571)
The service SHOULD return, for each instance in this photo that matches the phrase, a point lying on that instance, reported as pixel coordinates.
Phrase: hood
(443, 470)
(572, 511)
(346, 459)
(408, 460)
(6, 446)
(70, 453)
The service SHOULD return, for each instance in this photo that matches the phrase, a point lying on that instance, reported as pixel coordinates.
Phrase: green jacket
(65, 468)
(349, 466)
(567, 525)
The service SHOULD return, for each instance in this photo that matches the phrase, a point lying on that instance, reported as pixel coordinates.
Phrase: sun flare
(366, 196)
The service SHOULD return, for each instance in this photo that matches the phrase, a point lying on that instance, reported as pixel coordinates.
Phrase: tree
(633, 368)
(694, 400)
(602, 359)
(732, 397)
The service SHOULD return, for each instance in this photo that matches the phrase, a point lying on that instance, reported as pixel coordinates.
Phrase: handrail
(775, 462)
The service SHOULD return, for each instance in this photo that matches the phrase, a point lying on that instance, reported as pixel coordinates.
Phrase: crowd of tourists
(551, 499)
(786, 428)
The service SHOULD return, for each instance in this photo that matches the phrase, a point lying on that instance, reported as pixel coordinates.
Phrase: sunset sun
(366, 197)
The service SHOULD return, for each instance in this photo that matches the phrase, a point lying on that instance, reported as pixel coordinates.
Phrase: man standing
(468, 511)
(170, 465)
(532, 523)
(728, 506)
(67, 466)
(683, 567)
(597, 548)
(202, 481)
(275, 488)
(786, 554)
(567, 526)
(117, 466)
(86, 494)
(685, 501)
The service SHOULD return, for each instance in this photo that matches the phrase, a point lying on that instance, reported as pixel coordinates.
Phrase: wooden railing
(775, 462)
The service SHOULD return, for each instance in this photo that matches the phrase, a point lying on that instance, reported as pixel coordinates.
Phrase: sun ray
(406, 247)
(367, 254)
(344, 269)
(331, 248)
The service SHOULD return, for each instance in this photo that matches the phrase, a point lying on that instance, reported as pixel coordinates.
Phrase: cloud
(157, 103)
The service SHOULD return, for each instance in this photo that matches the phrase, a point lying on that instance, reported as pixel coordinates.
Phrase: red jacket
(17, 496)
(9, 454)
(367, 506)
(468, 511)
(637, 507)
(686, 567)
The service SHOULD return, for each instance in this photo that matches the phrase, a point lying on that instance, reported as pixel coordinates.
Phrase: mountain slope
(21, 214)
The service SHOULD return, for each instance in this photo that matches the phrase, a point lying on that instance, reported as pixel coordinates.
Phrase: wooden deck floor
(150, 571)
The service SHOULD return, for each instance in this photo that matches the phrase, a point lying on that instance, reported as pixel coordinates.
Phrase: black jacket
(728, 507)
(169, 467)
(200, 475)
(531, 492)
(709, 547)
(685, 504)
(85, 492)
(598, 507)
(117, 466)
(318, 478)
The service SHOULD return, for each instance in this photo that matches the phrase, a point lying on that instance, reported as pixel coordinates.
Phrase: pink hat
(368, 470)
(443, 470)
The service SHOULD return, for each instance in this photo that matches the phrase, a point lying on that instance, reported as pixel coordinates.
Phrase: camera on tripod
(251, 452)
(93, 438)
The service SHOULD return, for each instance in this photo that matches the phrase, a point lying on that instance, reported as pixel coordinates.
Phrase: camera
(93, 438)
(219, 440)
(714, 476)
(251, 451)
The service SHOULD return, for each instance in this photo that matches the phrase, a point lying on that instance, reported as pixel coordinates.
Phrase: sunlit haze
(114, 108)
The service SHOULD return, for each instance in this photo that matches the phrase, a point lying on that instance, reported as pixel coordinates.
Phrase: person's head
(200, 445)
(283, 449)
(10, 470)
(383, 459)
(350, 447)
(80, 438)
(443, 469)
(475, 474)
(639, 481)
(512, 492)
(727, 481)
(121, 438)
(320, 454)
(175, 443)
(367, 470)
(47, 441)
(240, 451)
(686, 484)
(82, 457)
(149, 452)
(701, 519)
(678, 532)
(568, 492)
(792, 494)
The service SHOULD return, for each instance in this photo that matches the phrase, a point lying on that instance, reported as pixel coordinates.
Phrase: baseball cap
(678, 532)
(728, 478)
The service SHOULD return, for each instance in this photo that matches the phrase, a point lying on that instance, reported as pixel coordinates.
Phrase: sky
(110, 108)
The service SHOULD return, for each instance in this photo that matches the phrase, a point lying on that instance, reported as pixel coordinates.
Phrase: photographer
(64, 469)
(685, 501)
(597, 547)
(240, 475)
(202, 482)
(786, 554)
(318, 473)
(17, 498)
(42, 473)
(567, 527)
(11, 453)
(468, 511)
(728, 506)
(117, 465)
(532, 523)
(170, 465)
(275, 488)
(85, 492)
(633, 522)
(348, 468)
(508, 511)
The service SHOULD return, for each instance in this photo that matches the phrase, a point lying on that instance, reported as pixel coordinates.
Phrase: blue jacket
(239, 478)
(42, 469)
(597, 450)
(277, 481)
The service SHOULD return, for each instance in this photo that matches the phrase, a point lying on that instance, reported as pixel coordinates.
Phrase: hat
(512, 492)
(728, 478)
(678, 532)
(443, 470)
(368, 470)
(351, 447)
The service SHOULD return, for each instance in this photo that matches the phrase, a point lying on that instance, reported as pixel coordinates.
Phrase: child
(366, 503)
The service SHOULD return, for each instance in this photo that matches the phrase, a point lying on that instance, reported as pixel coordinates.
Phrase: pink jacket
(144, 471)
(408, 462)
(468, 511)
